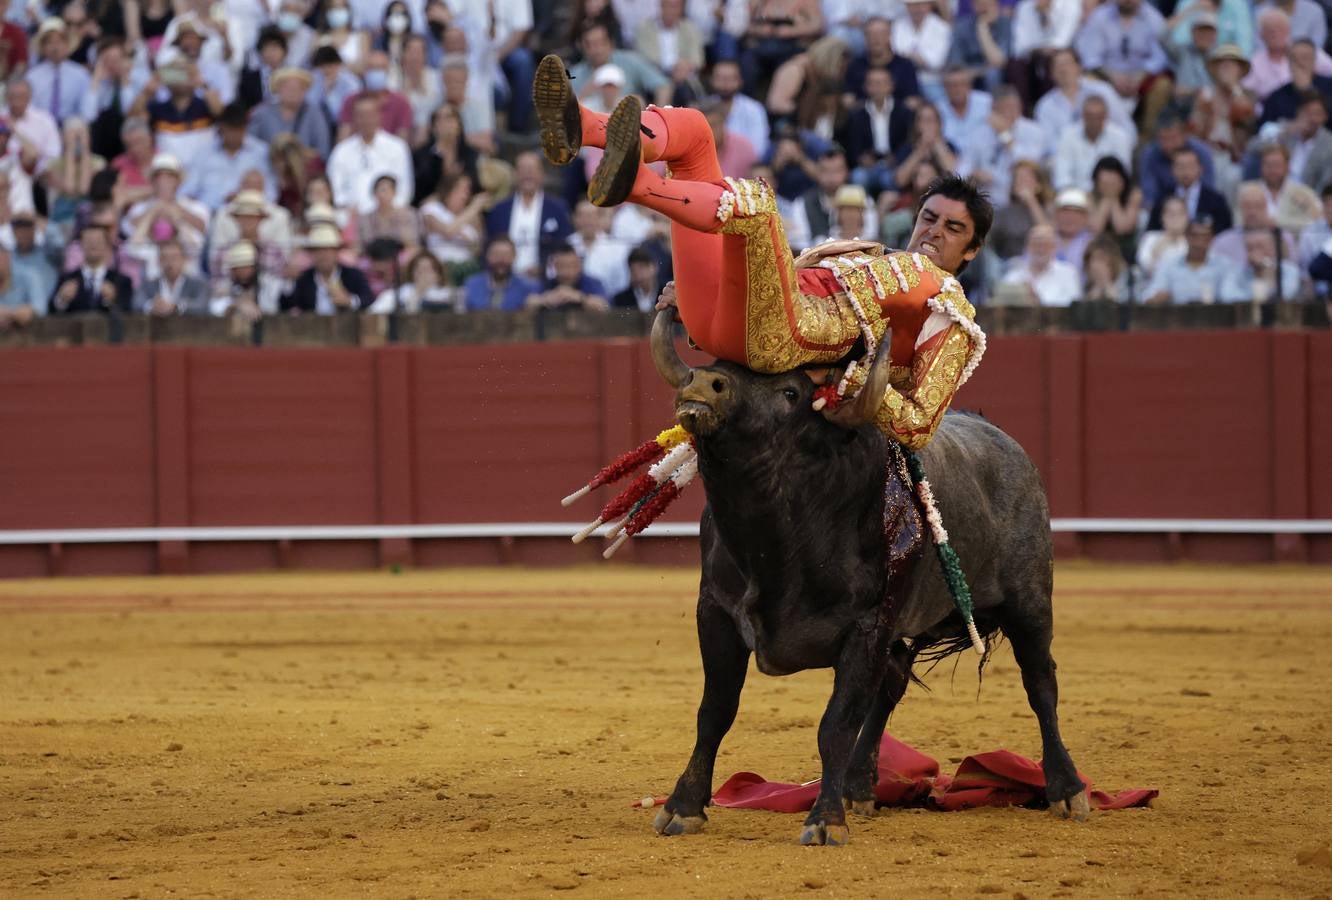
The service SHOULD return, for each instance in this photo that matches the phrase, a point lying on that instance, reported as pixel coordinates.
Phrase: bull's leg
(854, 684)
(1031, 647)
(725, 662)
(862, 773)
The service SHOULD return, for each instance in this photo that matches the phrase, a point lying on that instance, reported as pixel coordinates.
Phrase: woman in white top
(452, 220)
(336, 32)
(420, 84)
(1168, 244)
(424, 286)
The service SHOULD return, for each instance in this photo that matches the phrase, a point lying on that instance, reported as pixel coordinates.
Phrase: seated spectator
(1167, 241)
(58, 85)
(506, 26)
(332, 82)
(369, 152)
(348, 41)
(166, 213)
(188, 46)
(388, 220)
(923, 37)
(533, 219)
(1106, 277)
(116, 83)
(426, 288)
(1292, 205)
(249, 214)
(13, 49)
(288, 110)
(300, 37)
(173, 292)
(846, 20)
(604, 258)
(1189, 59)
(1194, 277)
(814, 213)
(674, 45)
(778, 30)
(1307, 141)
(36, 129)
(1040, 28)
(927, 143)
(391, 31)
(498, 287)
(982, 43)
(852, 218)
(1158, 159)
(1254, 214)
(182, 123)
(641, 77)
(20, 299)
(1307, 18)
(447, 154)
(1114, 205)
(15, 164)
(1047, 280)
(244, 292)
(1260, 279)
(992, 149)
(214, 175)
(1187, 181)
(96, 286)
(327, 287)
(1271, 65)
(569, 287)
(875, 131)
(964, 110)
(256, 79)
(899, 217)
(31, 256)
(879, 54)
(1283, 103)
(1027, 205)
(293, 166)
(68, 180)
(453, 222)
(744, 115)
(395, 113)
(420, 84)
(734, 151)
(1084, 143)
(1223, 112)
(1314, 238)
(1122, 41)
(1072, 227)
(1063, 105)
(605, 13)
(1234, 21)
(477, 112)
(644, 283)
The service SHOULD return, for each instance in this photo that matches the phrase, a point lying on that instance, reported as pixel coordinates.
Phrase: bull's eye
(791, 395)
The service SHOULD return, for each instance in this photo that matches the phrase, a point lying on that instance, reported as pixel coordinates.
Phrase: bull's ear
(665, 357)
(865, 405)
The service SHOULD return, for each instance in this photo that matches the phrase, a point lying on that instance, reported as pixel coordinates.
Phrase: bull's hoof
(669, 824)
(864, 808)
(1077, 809)
(821, 835)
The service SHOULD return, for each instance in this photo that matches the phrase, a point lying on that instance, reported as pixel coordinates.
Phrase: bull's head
(710, 397)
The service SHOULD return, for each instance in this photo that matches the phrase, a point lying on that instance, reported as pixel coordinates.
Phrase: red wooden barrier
(1182, 424)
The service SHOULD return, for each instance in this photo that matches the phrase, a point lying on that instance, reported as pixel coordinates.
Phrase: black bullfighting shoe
(557, 111)
(615, 175)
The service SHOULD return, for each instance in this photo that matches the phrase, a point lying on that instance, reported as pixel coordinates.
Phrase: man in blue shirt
(58, 85)
(570, 288)
(215, 175)
(498, 287)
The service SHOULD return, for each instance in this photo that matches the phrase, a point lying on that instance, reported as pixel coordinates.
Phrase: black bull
(795, 571)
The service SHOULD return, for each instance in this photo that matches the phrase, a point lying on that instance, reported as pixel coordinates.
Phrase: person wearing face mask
(393, 33)
(336, 32)
(395, 113)
(290, 20)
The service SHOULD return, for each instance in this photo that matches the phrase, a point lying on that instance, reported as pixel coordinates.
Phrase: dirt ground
(483, 733)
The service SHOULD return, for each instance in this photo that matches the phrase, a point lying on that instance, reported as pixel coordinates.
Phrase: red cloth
(908, 777)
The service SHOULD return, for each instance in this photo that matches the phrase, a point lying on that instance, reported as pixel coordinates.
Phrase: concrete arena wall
(1137, 425)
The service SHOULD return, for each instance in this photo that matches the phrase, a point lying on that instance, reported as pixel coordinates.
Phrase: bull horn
(864, 407)
(665, 357)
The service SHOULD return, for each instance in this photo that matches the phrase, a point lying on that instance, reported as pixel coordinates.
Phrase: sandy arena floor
(482, 734)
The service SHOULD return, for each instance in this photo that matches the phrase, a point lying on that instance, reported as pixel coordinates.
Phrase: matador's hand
(667, 298)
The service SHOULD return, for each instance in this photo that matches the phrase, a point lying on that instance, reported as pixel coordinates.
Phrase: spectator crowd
(251, 157)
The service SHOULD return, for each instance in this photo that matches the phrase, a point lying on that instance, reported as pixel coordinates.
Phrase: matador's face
(943, 234)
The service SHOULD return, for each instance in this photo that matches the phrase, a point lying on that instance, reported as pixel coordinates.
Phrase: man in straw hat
(743, 297)
(289, 111)
(244, 291)
(58, 85)
(249, 211)
(328, 286)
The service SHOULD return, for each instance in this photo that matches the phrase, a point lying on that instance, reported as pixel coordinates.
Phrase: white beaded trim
(931, 512)
(901, 276)
(940, 305)
(725, 207)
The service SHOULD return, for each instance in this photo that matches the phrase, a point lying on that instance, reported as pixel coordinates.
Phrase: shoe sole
(615, 175)
(557, 112)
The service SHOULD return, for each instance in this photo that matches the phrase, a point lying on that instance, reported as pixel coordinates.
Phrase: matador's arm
(912, 416)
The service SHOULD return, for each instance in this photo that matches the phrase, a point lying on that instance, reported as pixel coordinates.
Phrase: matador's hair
(964, 190)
